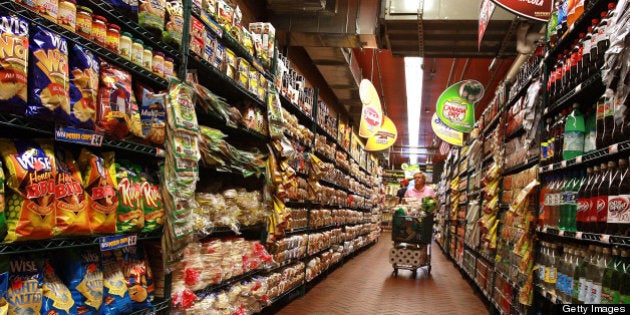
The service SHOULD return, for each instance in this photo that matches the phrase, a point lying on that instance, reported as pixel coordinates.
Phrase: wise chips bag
(101, 191)
(13, 63)
(84, 76)
(115, 101)
(25, 285)
(71, 203)
(48, 78)
(130, 214)
(31, 178)
(116, 298)
(81, 271)
(57, 299)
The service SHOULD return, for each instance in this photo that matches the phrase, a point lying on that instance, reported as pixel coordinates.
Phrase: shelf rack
(603, 153)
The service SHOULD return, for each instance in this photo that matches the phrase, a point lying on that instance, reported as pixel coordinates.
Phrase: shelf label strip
(117, 241)
(79, 136)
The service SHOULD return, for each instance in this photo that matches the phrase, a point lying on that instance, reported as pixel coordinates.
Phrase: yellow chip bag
(71, 202)
(13, 63)
(100, 190)
(31, 178)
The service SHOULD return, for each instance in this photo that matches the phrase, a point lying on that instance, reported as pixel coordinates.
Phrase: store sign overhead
(539, 10)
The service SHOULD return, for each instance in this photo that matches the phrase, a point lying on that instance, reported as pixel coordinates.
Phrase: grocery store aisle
(365, 285)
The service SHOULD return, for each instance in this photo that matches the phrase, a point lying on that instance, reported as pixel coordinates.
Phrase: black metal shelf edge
(46, 128)
(521, 91)
(303, 118)
(228, 282)
(296, 231)
(517, 132)
(493, 122)
(324, 158)
(521, 167)
(233, 85)
(66, 242)
(587, 87)
(285, 294)
(213, 121)
(136, 70)
(113, 14)
(601, 238)
(283, 264)
(297, 203)
(621, 147)
(158, 305)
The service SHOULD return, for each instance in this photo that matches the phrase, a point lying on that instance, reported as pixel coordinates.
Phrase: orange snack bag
(100, 190)
(71, 202)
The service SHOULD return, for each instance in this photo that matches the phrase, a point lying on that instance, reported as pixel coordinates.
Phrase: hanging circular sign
(446, 133)
(384, 137)
(455, 106)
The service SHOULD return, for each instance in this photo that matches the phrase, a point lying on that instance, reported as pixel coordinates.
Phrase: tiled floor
(365, 285)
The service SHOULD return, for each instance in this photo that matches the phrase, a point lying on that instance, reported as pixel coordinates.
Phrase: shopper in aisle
(420, 189)
(403, 189)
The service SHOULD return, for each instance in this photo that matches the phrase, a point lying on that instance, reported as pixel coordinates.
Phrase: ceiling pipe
(464, 69)
(525, 46)
(450, 74)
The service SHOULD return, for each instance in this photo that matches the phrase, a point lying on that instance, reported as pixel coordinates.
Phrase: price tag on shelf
(159, 152)
(605, 238)
(578, 159)
(544, 229)
(79, 136)
(578, 235)
(613, 148)
(563, 164)
(561, 233)
(117, 241)
(578, 88)
(551, 167)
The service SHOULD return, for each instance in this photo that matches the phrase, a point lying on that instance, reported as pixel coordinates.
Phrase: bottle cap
(606, 251)
(612, 164)
(127, 34)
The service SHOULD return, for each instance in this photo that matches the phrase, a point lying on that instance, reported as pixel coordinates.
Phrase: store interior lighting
(413, 80)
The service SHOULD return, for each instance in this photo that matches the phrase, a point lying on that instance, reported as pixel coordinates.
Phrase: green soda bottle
(574, 130)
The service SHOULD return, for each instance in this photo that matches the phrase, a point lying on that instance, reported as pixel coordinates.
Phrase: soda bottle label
(560, 282)
(552, 275)
(596, 294)
(587, 291)
(608, 109)
(618, 209)
(574, 141)
(543, 150)
(624, 299)
(572, 198)
(582, 293)
(602, 208)
(575, 289)
(582, 208)
(568, 286)
(608, 296)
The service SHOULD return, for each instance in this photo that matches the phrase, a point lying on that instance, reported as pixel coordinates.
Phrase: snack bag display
(138, 277)
(31, 178)
(4, 286)
(173, 29)
(153, 116)
(101, 191)
(13, 63)
(48, 78)
(130, 216)
(81, 271)
(71, 203)
(153, 206)
(129, 6)
(115, 294)
(151, 14)
(182, 116)
(56, 297)
(84, 76)
(24, 292)
(135, 118)
(115, 101)
(3, 218)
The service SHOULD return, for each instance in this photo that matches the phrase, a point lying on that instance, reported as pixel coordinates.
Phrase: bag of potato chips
(101, 191)
(24, 293)
(115, 101)
(153, 116)
(138, 277)
(152, 204)
(13, 64)
(3, 218)
(84, 75)
(31, 177)
(49, 98)
(81, 271)
(71, 203)
(116, 299)
(56, 299)
(151, 15)
(130, 215)
(4, 286)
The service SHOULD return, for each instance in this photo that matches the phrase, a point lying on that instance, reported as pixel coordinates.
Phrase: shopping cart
(412, 237)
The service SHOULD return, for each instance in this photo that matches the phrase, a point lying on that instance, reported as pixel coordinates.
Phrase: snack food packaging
(101, 191)
(173, 27)
(115, 101)
(70, 201)
(31, 179)
(24, 292)
(48, 78)
(153, 206)
(129, 6)
(56, 298)
(153, 116)
(13, 64)
(182, 116)
(84, 80)
(115, 294)
(47, 9)
(151, 14)
(138, 278)
(81, 271)
(3, 218)
(130, 216)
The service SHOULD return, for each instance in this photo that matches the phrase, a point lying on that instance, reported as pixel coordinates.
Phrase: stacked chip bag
(71, 203)
(56, 298)
(116, 298)
(180, 173)
(3, 218)
(84, 81)
(138, 278)
(152, 204)
(24, 292)
(4, 286)
(130, 216)
(174, 21)
(31, 178)
(153, 115)
(13, 63)
(115, 101)
(151, 14)
(101, 191)
(82, 272)
(48, 78)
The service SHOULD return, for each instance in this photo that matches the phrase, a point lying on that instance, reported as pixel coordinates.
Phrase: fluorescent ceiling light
(413, 80)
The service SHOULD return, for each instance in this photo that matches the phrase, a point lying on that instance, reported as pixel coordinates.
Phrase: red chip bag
(70, 200)
(115, 101)
(101, 192)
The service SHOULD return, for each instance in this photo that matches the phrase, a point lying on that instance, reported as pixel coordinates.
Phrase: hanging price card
(578, 235)
(605, 238)
(613, 148)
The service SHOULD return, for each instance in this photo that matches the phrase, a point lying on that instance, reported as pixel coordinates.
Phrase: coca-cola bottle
(613, 191)
(583, 201)
(600, 123)
(603, 40)
(559, 143)
(619, 202)
(591, 214)
(619, 121)
(591, 66)
(609, 118)
(586, 55)
(602, 199)
(578, 63)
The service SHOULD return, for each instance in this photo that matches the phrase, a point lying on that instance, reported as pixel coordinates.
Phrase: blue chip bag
(13, 64)
(116, 298)
(4, 286)
(48, 97)
(24, 292)
(81, 271)
(128, 6)
(84, 75)
(57, 299)
(138, 277)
